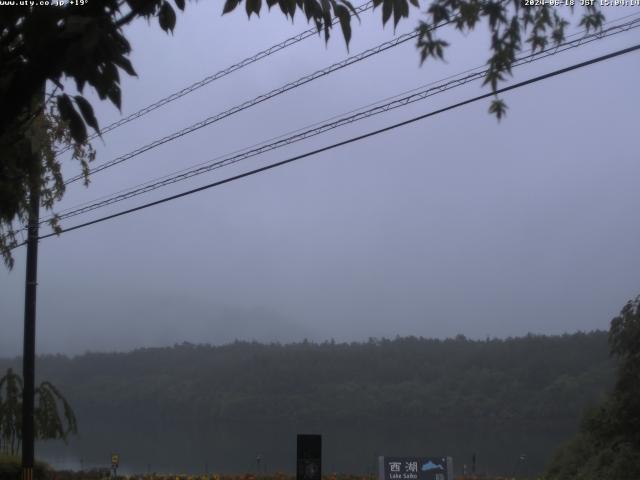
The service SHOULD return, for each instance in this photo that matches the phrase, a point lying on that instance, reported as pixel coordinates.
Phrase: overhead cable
(259, 99)
(415, 95)
(216, 76)
(350, 140)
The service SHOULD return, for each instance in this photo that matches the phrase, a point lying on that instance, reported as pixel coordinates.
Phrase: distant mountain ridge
(183, 404)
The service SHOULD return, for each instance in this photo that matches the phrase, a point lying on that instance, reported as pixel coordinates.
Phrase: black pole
(29, 346)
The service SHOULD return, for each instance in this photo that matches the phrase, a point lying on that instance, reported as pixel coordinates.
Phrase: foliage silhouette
(86, 44)
(49, 424)
(608, 443)
(403, 395)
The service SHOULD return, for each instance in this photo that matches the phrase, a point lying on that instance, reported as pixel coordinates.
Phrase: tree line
(202, 404)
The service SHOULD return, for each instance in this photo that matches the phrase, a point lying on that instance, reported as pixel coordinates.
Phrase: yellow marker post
(115, 461)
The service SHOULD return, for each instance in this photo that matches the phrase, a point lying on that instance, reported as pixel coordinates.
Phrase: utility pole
(29, 346)
(31, 283)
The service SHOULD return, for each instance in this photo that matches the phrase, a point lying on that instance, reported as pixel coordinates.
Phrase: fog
(455, 224)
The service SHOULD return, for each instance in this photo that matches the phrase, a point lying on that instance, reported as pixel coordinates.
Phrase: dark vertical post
(29, 346)
(309, 457)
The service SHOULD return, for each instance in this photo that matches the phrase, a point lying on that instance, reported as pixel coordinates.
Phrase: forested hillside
(196, 407)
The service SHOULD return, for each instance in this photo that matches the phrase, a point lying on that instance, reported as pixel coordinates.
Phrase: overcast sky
(455, 224)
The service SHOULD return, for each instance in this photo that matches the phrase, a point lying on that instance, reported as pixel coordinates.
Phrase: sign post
(115, 462)
(309, 457)
(415, 468)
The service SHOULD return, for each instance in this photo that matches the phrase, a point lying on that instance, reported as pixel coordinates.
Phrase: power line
(259, 99)
(216, 76)
(350, 140)
(319, 128)
(282, 140)
(586, 38)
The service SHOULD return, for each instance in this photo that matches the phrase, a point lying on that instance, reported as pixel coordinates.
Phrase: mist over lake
(196, 408)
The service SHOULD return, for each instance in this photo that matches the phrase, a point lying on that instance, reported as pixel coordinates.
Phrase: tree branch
(122, 21)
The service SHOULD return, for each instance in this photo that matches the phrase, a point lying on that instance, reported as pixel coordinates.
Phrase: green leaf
(397, 12)
(253, 6)
(124, 63)
(401, 10)
(537, 42)
(310, 8)
(167, 17)
(326, 18)
(284, 7)
(438, 13)
(345, 21)
(291, 6)
(179, 4)
(325, 7)
(351, 8)
(498, 108)
(69, 115)
(87, 112)
(110, 75)
(592, 21)
(230, 5)
(495, 12)
(144, 8)
(387, 9)
(469, 15)
(115, 95)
